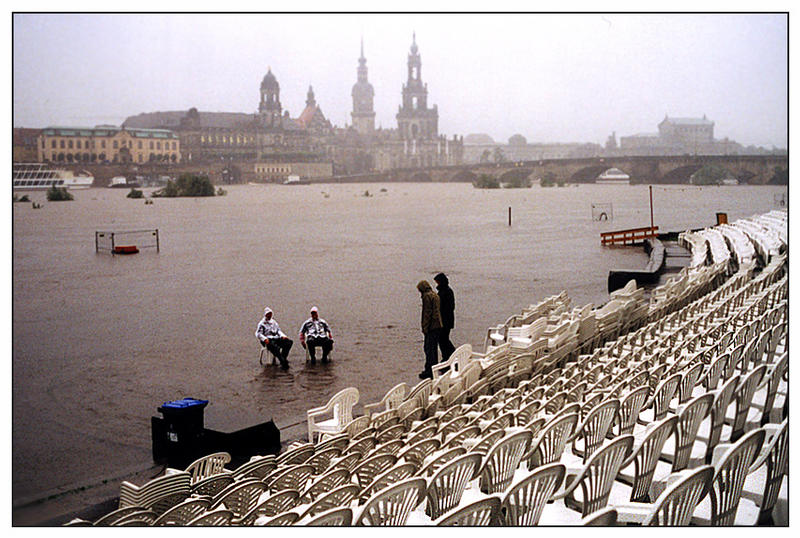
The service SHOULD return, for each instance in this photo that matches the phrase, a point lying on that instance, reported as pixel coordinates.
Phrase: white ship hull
(40, 176)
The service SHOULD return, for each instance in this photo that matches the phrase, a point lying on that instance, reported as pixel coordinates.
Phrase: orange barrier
(625, 237)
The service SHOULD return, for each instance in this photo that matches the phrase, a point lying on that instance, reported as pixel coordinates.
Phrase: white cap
(267, 310)
(314, 309)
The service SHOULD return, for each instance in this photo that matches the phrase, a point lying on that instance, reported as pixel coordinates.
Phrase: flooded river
(100, 341)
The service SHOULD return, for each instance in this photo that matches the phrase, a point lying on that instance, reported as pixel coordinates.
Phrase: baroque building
(269, 144)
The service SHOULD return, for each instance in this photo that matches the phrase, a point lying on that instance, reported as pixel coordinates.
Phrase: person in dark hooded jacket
(447, 307)
(431, 325)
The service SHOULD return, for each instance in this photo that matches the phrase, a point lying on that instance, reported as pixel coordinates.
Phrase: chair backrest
(689, 419)
(645, 457)
(664, 394)
(394, 474)
(209, 465)
(271, 506)
(448, 483)
(675, 506)
(283, 520)
(596, 426)
(343, 403)
(599, 473)
(729, 477)
(482, 513)
(366, 471)
(549, 444)
(502, 460)
(417, 452)
(777, 461)
(335, 517)
(296, 455)
(688, 382)
(420, 392)
(524, 502)
(773, 382)
(292, 477)
(215, 518)
(258, 466)
(391, 506)
(743, 396)
(239, 497)
(338, 497)
(325, 483)
(182, 513)
(391, 400)
(437, 459)
(629, 408)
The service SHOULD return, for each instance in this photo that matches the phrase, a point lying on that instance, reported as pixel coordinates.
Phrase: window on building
(103, 144)
(140, 144)
(151, 145)
(62, 144)
(69, 144)
(78, 144)
(158, 145)
(53, 144)
(115, 144)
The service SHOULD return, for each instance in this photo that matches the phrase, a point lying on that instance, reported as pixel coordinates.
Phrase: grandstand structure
(667, 409)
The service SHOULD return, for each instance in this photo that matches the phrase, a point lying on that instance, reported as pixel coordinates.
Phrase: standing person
(315, 332)
(447, 306)
(431, 326)
(271, 336)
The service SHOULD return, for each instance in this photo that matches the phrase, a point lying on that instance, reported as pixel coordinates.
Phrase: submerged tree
(709, 175)
(58, 194)
(187, 185)
(485, 181)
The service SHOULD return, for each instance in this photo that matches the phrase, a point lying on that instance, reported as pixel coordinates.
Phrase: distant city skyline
(548, 77)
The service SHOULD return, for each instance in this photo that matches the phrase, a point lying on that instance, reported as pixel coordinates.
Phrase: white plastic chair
(340, 406)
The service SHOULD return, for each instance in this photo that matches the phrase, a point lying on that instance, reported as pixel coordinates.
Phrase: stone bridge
(755, 169)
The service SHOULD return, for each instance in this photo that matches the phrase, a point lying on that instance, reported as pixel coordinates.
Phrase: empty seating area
(667, 410)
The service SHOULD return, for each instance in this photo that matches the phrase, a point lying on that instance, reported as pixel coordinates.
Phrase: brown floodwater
(100, 341)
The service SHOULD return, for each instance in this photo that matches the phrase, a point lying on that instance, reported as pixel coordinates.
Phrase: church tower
(363, 114)
(415, 121)
(269, 107)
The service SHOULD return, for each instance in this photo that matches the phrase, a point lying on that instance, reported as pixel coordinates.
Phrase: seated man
(270, 335)
(314, 333)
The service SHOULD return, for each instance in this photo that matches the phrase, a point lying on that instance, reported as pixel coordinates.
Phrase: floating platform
(666, 258)
(126, 249)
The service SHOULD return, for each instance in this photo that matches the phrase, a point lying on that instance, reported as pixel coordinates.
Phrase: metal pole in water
(651, 208)
(509, 215)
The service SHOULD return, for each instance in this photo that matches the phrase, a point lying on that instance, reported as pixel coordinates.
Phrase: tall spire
(362, 46)
(414, 43)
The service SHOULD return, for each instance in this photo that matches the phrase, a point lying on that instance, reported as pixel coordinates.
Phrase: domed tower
(363, 114)
(415, 121)
(269, 107)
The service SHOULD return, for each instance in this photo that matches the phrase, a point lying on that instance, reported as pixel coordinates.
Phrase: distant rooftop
(107, 131)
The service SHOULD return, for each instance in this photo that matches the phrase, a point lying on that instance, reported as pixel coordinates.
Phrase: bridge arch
(588, 174)
(463, 176)
(421, 177)
(680, 174)
(515, 174)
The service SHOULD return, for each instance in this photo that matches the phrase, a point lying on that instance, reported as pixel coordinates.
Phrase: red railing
(624, 237)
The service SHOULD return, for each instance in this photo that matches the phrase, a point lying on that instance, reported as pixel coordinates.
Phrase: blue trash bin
(183, 420)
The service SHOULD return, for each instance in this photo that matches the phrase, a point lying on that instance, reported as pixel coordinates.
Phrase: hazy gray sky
(549, 77)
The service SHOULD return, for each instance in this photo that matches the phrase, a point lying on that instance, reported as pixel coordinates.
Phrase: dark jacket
(447, 303)
(431, 316)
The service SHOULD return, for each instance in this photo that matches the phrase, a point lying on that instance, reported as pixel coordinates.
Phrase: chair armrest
(633, 512)
(316, 411)
(571, 482)
(370, 408)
